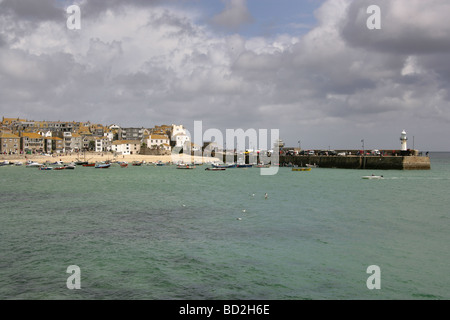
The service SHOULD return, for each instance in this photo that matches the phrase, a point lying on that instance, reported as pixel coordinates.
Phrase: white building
(161, 142)
(102, 144)
(126, 147)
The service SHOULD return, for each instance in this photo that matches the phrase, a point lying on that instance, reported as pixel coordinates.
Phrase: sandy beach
(101, 157)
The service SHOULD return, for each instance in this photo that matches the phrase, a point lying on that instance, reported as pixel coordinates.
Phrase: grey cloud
(407, 27)
(234, 15)
(32, 10)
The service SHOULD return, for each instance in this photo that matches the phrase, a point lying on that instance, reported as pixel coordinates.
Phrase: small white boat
(32, 164)
(374, 177)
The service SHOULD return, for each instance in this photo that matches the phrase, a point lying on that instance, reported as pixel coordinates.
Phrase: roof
(156, 136)
(5, 135)
(118, 142)
(32, 135)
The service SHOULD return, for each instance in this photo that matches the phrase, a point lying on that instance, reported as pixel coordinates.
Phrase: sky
(311, 69)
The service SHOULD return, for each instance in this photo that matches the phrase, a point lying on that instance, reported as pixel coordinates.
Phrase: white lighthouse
(403, 140)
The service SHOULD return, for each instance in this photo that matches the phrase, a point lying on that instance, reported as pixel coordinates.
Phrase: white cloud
(144, 65)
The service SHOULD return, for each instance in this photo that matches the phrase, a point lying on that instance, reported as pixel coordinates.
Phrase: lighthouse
(403, 140)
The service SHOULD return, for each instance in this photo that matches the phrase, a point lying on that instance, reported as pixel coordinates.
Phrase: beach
(101, 157)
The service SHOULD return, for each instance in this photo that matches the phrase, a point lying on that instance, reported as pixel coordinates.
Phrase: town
(21, 136)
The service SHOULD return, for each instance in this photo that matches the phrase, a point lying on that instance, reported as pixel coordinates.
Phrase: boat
(301, 169)
(137, 163)
(231, 165)
(102, 165)
(215, 169)
(185, 166)
(70, 166)
(32, 164)
(243, 165)
(312, 165)
(18, 163)
(59, 168)
(263, 165)
(4, 163)
(45, 168)
(89, 165)
(374, 177)
(123, 164)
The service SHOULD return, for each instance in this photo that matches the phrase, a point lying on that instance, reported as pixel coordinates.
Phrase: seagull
(244, 210)
(239, 219)
(266, 196)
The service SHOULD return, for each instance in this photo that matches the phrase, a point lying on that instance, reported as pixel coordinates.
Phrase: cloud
(143, 63)
(408, 26)
(234, 15)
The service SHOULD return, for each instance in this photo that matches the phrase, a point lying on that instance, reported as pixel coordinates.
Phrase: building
(102, 144)
(32, 142)
(54, 145)
(160, 142)
(126, 147)
(9, 143)
(131, 134)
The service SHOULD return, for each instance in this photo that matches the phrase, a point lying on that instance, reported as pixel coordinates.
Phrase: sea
(159, 233)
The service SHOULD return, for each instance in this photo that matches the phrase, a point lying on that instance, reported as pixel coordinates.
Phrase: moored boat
(225, 165)
(123, 164)
(185, 166)
(215, 169)
(102, 165)
(301, 169)
(243, 165)
(45, 168)
(373, 177)
(32, 164)
(89, 165)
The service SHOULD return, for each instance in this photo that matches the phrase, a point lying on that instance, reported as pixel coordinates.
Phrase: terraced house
(32, 142)
(9, 143)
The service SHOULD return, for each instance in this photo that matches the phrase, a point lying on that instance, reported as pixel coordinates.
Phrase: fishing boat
(123, 164)
(215, 169)
(59, 168)
(4, 163)
(301, 169)
(243, 165)
(102, 165)
(18, 163)
(311, 165)
(373, 177)
(32, 164)
(45, 168)
(70, 166)
(185, 166)
(226, 166)
(137, 163)
(89, 165)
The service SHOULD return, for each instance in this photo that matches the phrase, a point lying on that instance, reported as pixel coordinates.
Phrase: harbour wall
(356, 162)
(361, 162)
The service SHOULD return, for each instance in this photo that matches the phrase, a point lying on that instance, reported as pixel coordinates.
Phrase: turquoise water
(161, 233)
